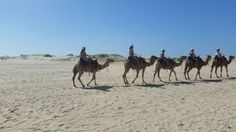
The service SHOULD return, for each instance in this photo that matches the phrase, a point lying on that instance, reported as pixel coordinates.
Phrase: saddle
(195, 59)
(166, 61)
(221, 59)
(134, 60)
(93, 64)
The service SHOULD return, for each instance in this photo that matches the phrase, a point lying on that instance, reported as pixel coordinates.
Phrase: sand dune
(37, 94)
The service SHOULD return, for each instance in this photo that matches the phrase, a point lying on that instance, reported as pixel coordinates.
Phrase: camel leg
(185, 70)
(155, 72)
(143, 75)
(226, 68)
(95, 83)
(170, 75)
(221, 71)
(212, 67)
(199, 73)
(188, 73)
(136, 76)
(124, 75)
(158, 74)
(80, 74)
(175, 75)
(93, 78)
(216, 72)
(73, 79)
(75, 71)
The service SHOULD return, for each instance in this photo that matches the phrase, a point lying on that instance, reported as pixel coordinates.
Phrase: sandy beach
(37, 95)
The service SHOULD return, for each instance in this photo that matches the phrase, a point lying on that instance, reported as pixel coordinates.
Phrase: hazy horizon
(110, 26)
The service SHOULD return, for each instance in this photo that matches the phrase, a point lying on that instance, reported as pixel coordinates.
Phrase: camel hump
(171, 61)
(141, 60)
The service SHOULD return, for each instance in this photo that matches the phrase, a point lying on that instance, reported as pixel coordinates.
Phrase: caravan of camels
(86, 64)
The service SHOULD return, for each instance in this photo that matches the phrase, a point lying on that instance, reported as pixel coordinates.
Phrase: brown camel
(199, 63)
(217, 62)
(92, 67)
(140, 64)
(170, 65)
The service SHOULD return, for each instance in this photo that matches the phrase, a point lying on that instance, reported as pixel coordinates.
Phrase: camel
(92, 67)
(220, 63)
(199, 63)
(141, 64)
(171, 64)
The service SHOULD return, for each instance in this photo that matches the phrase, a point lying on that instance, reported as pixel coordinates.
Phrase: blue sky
(109, 26)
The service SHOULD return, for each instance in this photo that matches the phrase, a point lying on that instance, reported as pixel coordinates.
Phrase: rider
(192, 55)
(132, 57)
(218, 54)
(84, 57)
(83, 54)
(131, 51)
(162, 57)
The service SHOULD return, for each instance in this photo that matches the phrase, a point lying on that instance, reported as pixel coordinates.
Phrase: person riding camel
(131, 51)
(192, 56)
(162, 58)
(132, 57)
(83, 54)
(218, 53)
(84, 57)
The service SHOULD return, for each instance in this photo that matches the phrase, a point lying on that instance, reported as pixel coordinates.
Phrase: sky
(61, 27)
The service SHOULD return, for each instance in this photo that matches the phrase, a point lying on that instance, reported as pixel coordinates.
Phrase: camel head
(182, 58)
(153, 58)
(231, 57)
(110, 60)
(208, 58)
(106, 64)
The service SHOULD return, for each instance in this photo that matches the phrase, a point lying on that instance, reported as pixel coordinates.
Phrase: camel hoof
(210, 76)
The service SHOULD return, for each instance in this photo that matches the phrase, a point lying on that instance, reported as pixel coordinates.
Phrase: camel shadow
(104, 88)
(211, 80)
(177, 83)
(150, 85)
(231, 78)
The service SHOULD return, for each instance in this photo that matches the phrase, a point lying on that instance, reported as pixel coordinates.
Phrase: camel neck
(229, 61)
(106, 64)
(207, 61)
(151, 62)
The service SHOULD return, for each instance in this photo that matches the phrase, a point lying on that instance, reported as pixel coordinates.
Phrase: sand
(38, 95)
